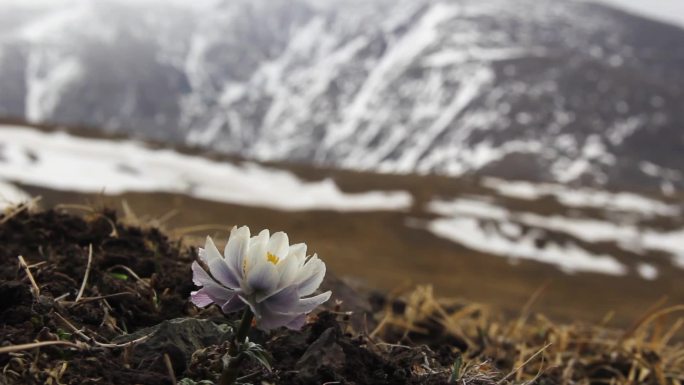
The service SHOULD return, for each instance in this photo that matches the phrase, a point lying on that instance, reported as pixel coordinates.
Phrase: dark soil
(138, 279)
(133, 324)
(57, 245)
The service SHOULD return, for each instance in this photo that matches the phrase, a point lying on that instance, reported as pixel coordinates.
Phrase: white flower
(265, 273)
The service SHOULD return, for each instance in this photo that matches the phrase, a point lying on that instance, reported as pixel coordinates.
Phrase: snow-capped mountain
(549, 90)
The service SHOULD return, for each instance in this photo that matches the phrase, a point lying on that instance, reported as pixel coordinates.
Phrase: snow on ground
(462, 217)
(583, 197)
(647, 271)
(463, 224)
(569, 258)
(66, 162)
(590, 230)
(671, 242)
(629, 237)
(11, 195)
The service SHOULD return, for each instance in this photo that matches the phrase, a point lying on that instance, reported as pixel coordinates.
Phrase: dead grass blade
(653, 316)
(35, 290)
(85, 276)
(16, 210)
(517, 369)
(33, 345)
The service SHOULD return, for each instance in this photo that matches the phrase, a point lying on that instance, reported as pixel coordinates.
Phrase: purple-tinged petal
(200, 298)
(285, 301)
(219, 269)
(262, 280)
(218, 293)
(252, 305)
(271, 320)
(233, 305)
(199, 276)
(297, 323)
(306, 305)
(202, 255)
(278, 245)
(236, 248)
(210, 252)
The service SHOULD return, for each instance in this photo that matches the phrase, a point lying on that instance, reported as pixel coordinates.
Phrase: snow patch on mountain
(48, 78)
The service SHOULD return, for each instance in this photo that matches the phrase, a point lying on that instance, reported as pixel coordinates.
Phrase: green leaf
(456, 369)
(261, 357)
(120, 276)
(256, 352)
(63, 334)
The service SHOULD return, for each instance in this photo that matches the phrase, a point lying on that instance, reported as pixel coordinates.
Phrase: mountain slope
(546, 90)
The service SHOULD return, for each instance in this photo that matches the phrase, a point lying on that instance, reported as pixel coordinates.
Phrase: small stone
(324, 354)
(178, 338)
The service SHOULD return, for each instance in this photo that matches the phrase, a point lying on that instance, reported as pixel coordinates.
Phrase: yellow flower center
(272, 258)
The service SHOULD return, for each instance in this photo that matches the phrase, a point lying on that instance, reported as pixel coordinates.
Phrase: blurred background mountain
(547, 90)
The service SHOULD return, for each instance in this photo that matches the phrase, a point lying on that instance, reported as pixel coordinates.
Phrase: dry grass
(535, 349)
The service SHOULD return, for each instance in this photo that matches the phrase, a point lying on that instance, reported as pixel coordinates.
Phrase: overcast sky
(671, 11)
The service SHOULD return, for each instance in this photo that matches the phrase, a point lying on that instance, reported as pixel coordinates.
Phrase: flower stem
(230, 371)
(243, 329)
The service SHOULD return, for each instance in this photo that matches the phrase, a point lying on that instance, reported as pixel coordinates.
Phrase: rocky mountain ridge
(560, 91)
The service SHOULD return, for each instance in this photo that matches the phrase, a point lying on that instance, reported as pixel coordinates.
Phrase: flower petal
(252, 306)
(311, 275)
(288, 269)
(285, 301)
(298, 251)
(199, 276)
(257, 249)
(218, 293)
(224, 275)
(271, 320)
(278, 245)
(262, 280)
(232, 305)
(297, 323)
(236, 248)
(306, 305)
(200, 298)
(210, 252)
(263, 235)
